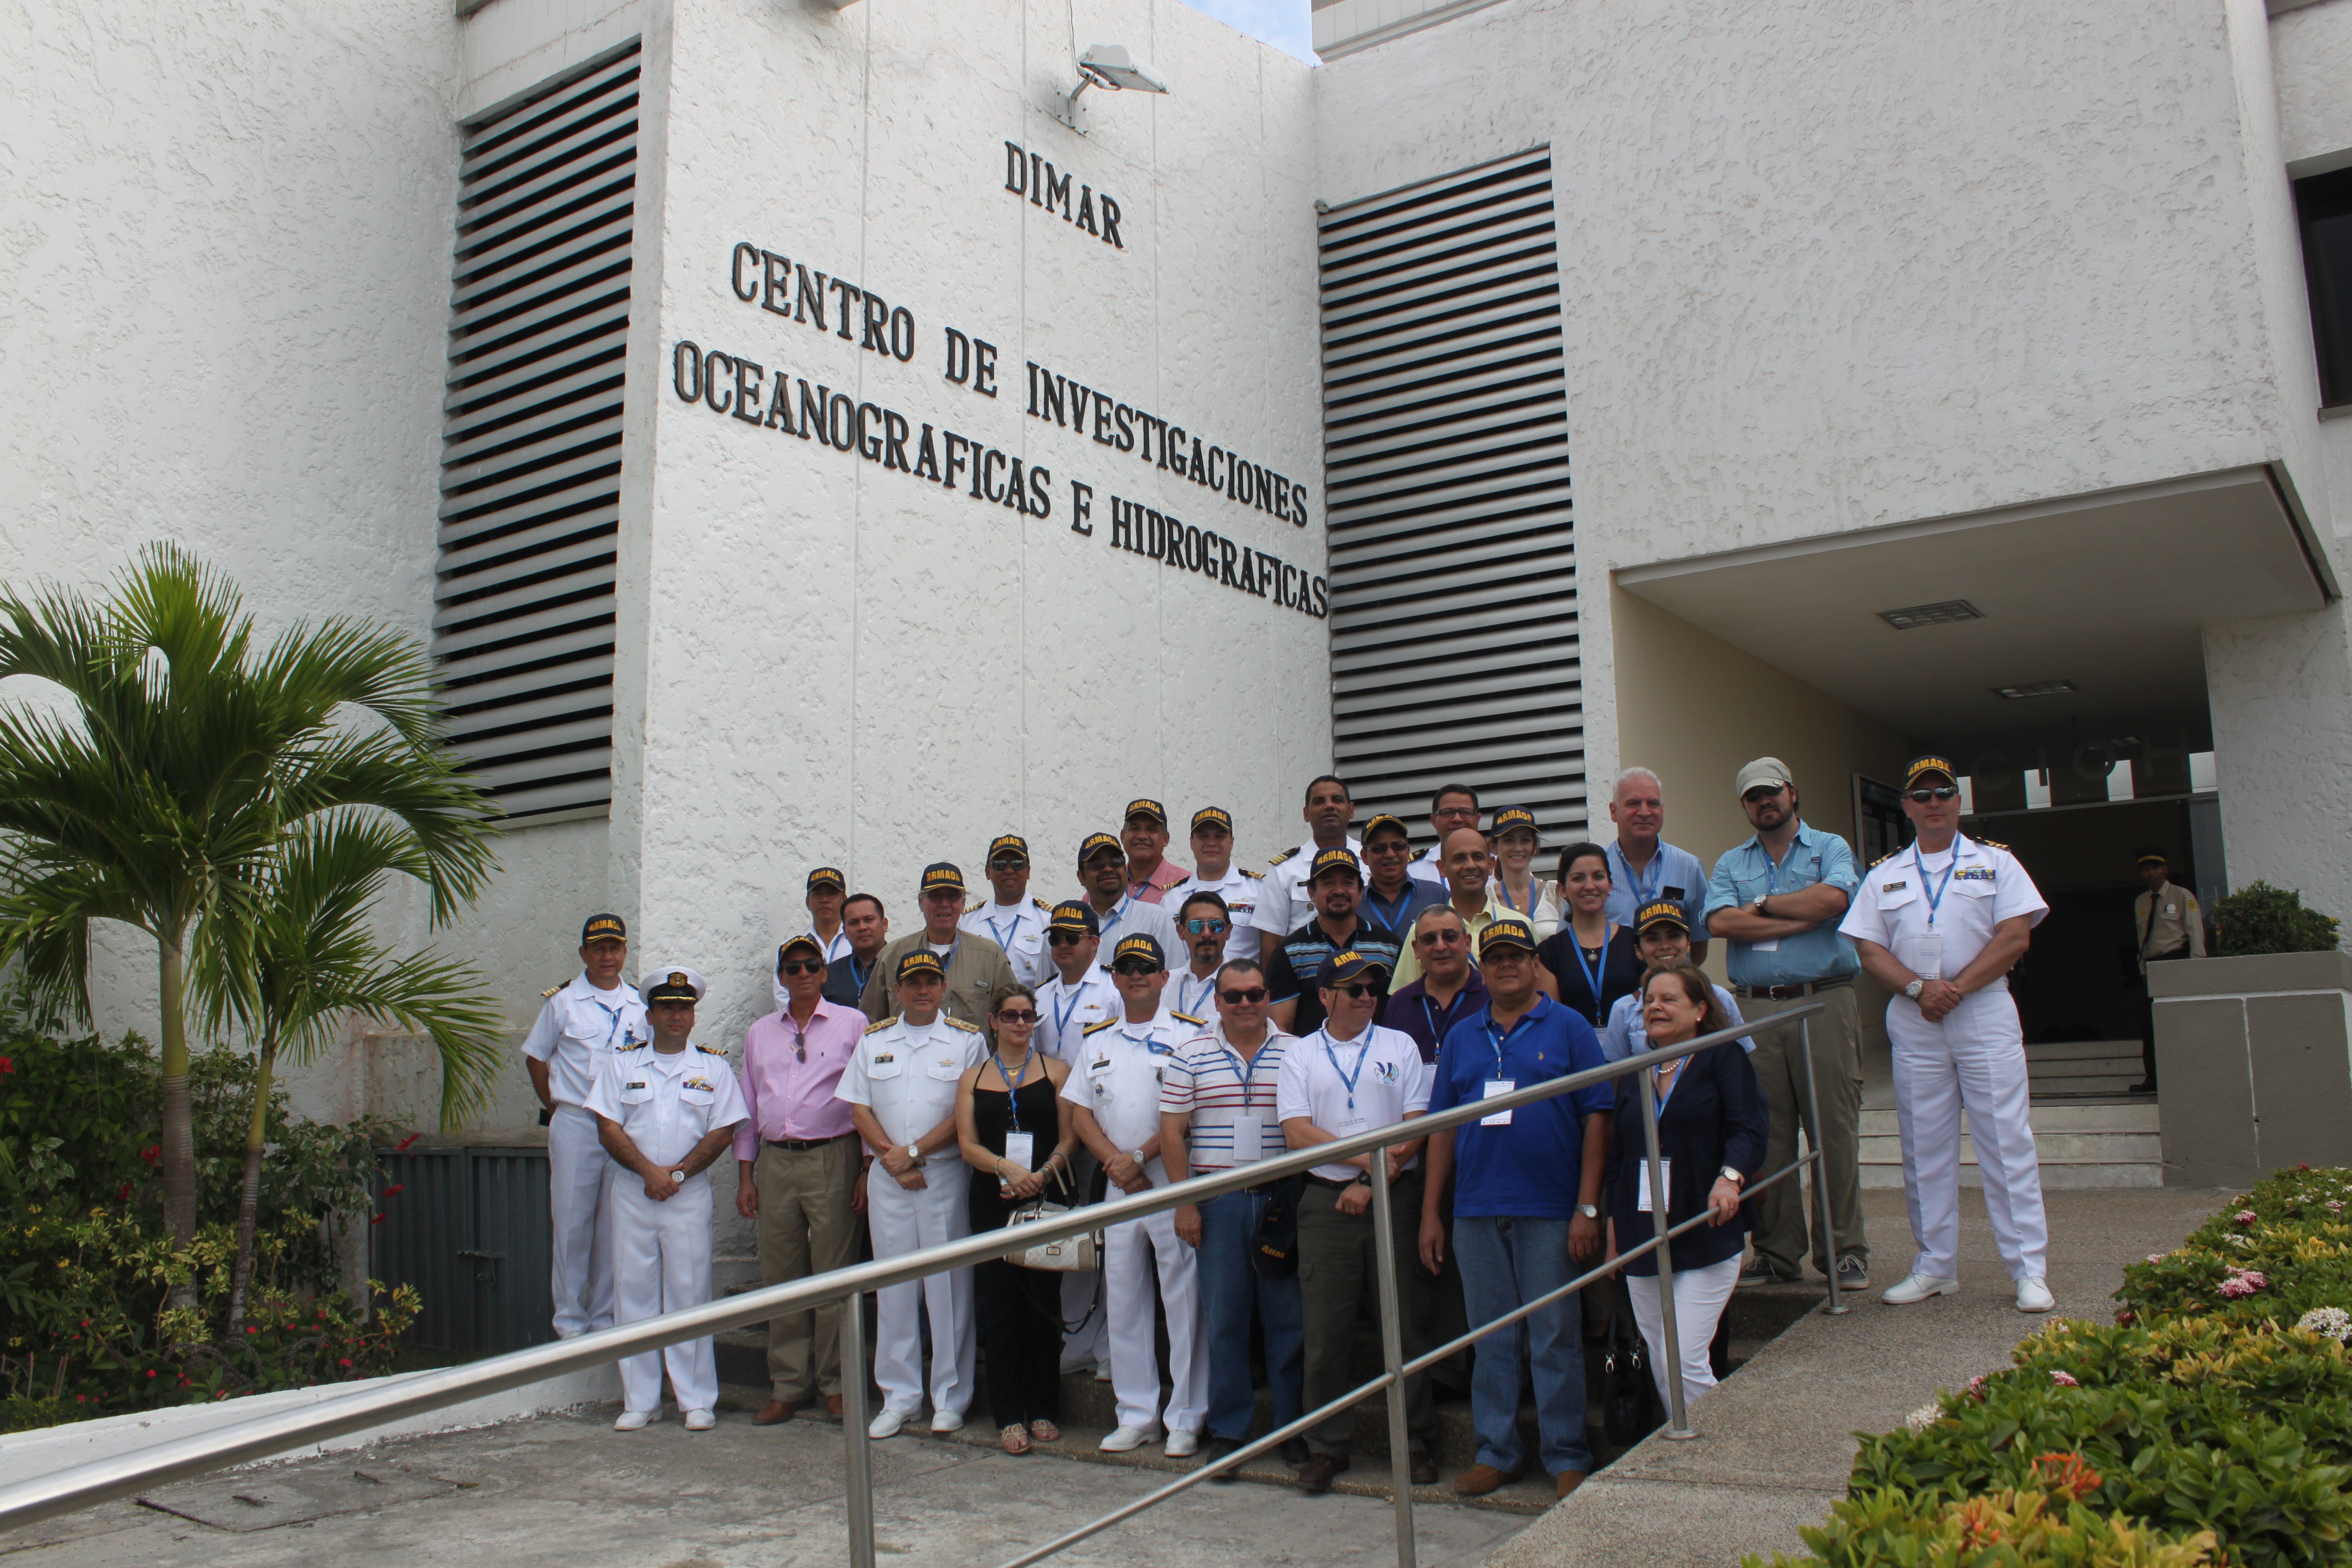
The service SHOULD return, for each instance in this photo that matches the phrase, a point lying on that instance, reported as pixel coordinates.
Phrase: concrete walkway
(1775, 1442)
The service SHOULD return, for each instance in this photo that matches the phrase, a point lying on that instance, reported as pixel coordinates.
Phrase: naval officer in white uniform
(900, 1088)
(664, 1113)
(1940, 924)
(579, 1028)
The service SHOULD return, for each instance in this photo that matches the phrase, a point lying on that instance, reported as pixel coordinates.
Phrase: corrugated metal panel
(513, 1233)
(524, 606)
(424, 1226)
(470, 1230)
(1454, 612)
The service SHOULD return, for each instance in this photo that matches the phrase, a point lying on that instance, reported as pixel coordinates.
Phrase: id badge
(1353, 1125)
(1496, 1086)
(1922, 954)
(1773, 945)
(1021, 1149)
(1249, 1137)
(1642, 1189)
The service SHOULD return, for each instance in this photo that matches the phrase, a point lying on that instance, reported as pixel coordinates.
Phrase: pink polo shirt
(786, 1097)
(1165, 876)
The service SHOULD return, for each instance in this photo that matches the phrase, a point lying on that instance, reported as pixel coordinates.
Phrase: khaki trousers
(1782, 1215)
(805, 1227)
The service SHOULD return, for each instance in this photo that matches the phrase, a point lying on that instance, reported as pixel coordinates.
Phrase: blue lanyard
(1643, 895)
(1773, 871)
(1363, 1053)
(1061, 1014)
(1117, 914)
(1249, 1068)
(1534, 898)
(1198, 1004)
(857, 978)
(1437, 1026)
(613, 1015)
(1935, 890)
(1681, 1073)
(1001, 941)
(1503, 1039)
(1592, 971)
(1389, 910)
(1012, 1088)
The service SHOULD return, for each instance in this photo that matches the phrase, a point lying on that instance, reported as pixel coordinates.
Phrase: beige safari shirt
(2176, 923)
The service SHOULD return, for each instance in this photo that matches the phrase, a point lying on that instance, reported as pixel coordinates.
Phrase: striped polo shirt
(1205, 1079)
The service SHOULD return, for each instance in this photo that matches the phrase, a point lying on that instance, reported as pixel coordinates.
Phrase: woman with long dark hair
(1591, 960)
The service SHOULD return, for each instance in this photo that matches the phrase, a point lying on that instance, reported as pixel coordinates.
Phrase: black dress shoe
(1293, 1451)
(1421, 1468)
(1215, 1449)
(1319, 1470)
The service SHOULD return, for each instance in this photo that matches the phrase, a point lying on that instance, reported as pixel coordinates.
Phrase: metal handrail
(101, 1480)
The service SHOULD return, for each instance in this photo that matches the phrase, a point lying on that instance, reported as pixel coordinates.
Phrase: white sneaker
(700, 1420)
(635, 1420)
(1124, 1439)
(1917, 1287)
(2034, 1295)
(1183, 1445)
(946, 1421)
(890, 1423)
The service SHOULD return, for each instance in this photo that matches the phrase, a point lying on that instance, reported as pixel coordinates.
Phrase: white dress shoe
(1916, 1287)
(890, 1423)
(946, 1421)
(1183, 1445)
(700, 1420)
(2034, 1295)
(1124, 1439)
(635, 1420)
(1102, 1371)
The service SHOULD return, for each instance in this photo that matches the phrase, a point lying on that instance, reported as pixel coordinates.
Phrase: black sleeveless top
(992, 1118)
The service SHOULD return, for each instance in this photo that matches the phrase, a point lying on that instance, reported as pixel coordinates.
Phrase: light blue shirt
(1746, 873)
(1624, 1034)
(1669, 868)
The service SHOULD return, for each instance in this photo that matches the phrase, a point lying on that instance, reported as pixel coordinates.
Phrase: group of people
(1164, 1024)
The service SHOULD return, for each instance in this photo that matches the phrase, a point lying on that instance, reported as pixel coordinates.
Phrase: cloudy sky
(1282, 22)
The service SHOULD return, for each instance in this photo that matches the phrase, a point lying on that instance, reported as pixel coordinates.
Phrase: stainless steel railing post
(1835, 1308)
(856, 1444)
(1392, 1353)
(1677, 1417)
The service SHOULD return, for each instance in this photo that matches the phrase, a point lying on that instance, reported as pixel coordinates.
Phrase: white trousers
(1976, 1058)
(661, 1258)
(904, 1221)
(1132, 1253)
(576, 1169)
(1699, 1296)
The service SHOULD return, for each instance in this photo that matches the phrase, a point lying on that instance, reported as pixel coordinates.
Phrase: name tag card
(1021, 1149)
(1249, 1137)
(1493, 1087)
(1922, 954)
(1642, 1189)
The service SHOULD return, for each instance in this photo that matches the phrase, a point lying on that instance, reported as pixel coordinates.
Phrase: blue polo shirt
(1673, 875)
(1529, 1170)
(1822, 953)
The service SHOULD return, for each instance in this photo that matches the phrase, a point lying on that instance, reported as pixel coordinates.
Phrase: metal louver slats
(524, 599)
(1454, 627)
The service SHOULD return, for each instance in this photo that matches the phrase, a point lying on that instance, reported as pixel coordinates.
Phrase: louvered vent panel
(1454, 627)
(531, 462)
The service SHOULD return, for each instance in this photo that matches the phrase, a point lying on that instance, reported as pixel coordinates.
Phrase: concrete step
(2074, 1050)
(2140, 1113)
(2078, 1145)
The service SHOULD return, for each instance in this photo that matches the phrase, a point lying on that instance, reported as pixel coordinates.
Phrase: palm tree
(160, 796)
(310, 961)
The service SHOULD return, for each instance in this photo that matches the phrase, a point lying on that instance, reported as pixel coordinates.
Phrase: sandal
(1044, 1431)
(1014, 1439)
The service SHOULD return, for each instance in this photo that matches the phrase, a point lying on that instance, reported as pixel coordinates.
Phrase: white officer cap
(671, 983)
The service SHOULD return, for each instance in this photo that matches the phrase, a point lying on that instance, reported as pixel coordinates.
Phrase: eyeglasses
(1010, 863)
(1439, 938)
(1017, 1015)
(803, 966)
(1940, 792)
(1357, 992)
(1065, 937)
(1134, 966)
(1204, 928)
(1242, 995)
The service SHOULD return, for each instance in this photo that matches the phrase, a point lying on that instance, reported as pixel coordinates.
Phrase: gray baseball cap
(1768, 772)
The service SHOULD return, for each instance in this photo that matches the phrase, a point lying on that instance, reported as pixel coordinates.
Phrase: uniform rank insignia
(1894, 887)
(1974, 874)
(1189, 1018)
(882, 1057)
(696, 1082)
(549, 992)
(954, 1022)
(1106, 1024)
(876, 1027)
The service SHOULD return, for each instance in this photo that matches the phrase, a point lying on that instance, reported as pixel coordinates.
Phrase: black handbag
(1629, 1395)
(1274, 1250)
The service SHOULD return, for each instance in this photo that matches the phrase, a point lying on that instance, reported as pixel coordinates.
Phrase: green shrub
(2278, 1252)
(1890, 1529)
(2260, 918)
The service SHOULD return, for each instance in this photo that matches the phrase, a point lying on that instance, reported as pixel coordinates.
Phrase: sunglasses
(803, 966)
(1358, 991)
(1017, 1015)
(1106, 857)
(1940, 792)
(1204, 928)
(1439, 938)
(1065, 937)
(1010, 863)
(1240, 995)
(1134, 966)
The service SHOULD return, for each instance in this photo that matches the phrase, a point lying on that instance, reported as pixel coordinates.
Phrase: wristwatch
(915, 1152)
(678, 1176)
(1137, 1155)
(1589, 1211)
(1913, 990)
(1734, 1177)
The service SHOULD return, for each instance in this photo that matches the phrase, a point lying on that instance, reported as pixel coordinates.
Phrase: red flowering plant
(2270, 1255)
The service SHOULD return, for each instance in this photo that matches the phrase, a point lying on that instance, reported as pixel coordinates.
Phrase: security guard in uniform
(665, 1112)
(1940, 924)
(1012, 920)
(900, 1087)
(579, 1026)
(2167, 925)
(1115, 1085)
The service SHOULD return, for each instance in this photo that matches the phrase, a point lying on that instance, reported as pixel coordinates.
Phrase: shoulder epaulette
(707, 1051)
(1043, 905)
(1188, 1017)
(1995, 844)
(549, 992)
(1104, 1024)
(1883, 859)
(1278, 859)
(974, 908)
(875, 1028)
(955, 1023)
(1258, 876)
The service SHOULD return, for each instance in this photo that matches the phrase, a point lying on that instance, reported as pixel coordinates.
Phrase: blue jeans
(1507, 1262)
(1230, 1286)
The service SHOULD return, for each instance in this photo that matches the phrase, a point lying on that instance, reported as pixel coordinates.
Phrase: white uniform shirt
(666, 1104)
(1390, 1080)
(578, 1029)
(1282, 902)
(1980, 885)
(1020, 930)
(1130, 916)
(838, 948)
(1240, 890)
(1117, 1076)
(907, 1074)
(1064, 1010)
(1423, 867)
(1189, 993)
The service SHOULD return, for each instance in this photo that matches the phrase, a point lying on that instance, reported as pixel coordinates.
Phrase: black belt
(1790, 992)
(797, 1145)
(1328, 1182)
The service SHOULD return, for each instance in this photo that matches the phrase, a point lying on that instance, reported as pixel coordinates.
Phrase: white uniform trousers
(1976, 1058)
(1131, 1252)
(904, 1221)
(661, 1256)
(1699, 1296)
(576, 1169)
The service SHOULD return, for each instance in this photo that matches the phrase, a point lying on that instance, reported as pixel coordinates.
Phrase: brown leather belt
(1790, 992)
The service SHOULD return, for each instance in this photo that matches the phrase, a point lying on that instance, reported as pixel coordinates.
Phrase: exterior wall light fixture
(1109, 66)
